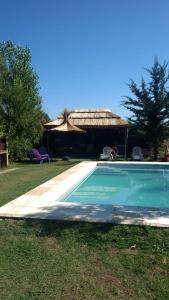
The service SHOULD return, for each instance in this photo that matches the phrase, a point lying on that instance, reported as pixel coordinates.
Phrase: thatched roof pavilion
(102, 127)
(91, 118)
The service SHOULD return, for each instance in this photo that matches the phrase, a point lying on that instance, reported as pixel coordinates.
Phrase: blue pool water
(131, 185)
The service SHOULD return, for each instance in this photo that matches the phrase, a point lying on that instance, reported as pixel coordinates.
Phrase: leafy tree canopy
(21, 113)
(150, 106)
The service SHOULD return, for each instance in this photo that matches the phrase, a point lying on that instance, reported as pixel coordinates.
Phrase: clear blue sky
(85, 51)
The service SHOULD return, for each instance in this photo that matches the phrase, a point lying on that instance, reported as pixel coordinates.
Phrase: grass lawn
(28, 176)
(71, 260)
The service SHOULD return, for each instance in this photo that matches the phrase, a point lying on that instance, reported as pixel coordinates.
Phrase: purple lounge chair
(40, 157)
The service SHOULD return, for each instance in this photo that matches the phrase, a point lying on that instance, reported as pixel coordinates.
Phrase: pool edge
(37, 205)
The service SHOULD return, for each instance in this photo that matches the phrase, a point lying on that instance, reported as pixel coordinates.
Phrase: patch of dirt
(156, 270)
(161, 271)
(52, 244)
(107, 280)
(131, 251)
(165, 260)
(121, 285)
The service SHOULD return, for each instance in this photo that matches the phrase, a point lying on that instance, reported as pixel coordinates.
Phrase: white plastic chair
(137, 153)
(107, 153)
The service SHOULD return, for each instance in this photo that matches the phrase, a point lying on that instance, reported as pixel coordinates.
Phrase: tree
(150, 106)
(20, 104)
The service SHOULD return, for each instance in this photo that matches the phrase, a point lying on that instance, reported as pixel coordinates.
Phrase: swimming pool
(118, 197)
(124, 185)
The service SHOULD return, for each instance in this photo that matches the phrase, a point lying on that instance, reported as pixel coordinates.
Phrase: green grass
(69, 260)
(42, 259)
(28, 176)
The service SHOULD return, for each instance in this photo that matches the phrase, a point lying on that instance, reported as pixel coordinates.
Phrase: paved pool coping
(43, 202)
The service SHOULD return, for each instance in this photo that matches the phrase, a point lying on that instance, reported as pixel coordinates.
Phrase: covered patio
(99, 128)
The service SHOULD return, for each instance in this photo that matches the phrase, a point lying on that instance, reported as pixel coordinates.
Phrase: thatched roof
(66, 127)
(91, 118)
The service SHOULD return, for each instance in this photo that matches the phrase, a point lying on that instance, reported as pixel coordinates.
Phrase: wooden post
(93, 142)
(126, 142)
(7, 158)
(7, 153)
(4, 158)
(4, 153)
(47, 140)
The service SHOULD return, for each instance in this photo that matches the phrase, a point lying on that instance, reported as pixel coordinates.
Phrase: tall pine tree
(150, 106)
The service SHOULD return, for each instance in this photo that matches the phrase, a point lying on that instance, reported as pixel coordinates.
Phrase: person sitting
(114, 151)
(167, 151)
(166, 155)
(166, 158)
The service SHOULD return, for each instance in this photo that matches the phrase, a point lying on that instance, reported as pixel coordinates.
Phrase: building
(100, 127)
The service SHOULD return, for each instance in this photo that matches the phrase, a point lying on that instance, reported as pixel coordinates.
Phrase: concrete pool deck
(43, 202)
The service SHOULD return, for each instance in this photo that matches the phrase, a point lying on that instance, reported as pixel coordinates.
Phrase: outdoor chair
(107, 154)
(137, 153)
(42, 150)
(40, 157)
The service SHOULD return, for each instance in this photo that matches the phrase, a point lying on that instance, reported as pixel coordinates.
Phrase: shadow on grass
(101, 234)
(59, 162)
(34, 161)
